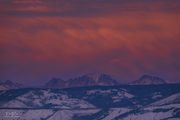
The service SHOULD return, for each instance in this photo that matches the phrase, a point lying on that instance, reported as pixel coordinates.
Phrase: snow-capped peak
(93, 76)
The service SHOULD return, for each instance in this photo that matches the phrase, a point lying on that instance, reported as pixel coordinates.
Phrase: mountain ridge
(8, 84)
(83, 80)
(149, 80)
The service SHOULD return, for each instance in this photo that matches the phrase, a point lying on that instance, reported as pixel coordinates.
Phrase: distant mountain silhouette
(81, 81)
(93, 79)
(149, 80)
(7, 84)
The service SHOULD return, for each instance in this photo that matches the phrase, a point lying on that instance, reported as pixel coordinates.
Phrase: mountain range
(84, 80)
(95, 79)
(100, 80)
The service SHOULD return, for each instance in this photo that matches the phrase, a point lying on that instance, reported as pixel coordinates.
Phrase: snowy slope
(173, 99)
(170, 112)
(47, 98)
(158, 113)
(93, 103)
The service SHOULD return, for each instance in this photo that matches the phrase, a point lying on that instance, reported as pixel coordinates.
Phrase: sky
(41, 39)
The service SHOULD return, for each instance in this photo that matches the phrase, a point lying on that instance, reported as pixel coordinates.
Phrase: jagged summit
(92, 79)
(96, 79)
(148, 80)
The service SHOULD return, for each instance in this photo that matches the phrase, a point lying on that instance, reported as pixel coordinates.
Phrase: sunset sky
(41, 39)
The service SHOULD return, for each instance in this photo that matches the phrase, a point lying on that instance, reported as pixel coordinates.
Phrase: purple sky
(65, 38)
